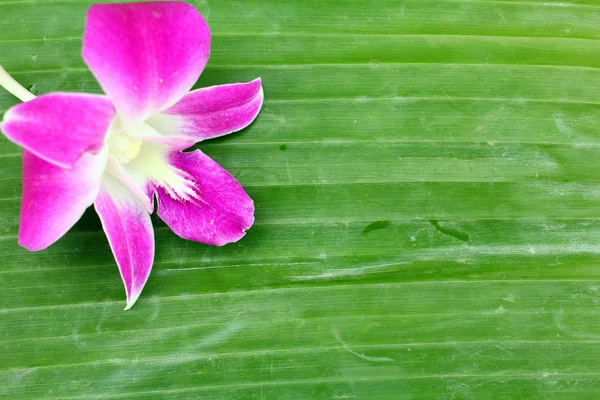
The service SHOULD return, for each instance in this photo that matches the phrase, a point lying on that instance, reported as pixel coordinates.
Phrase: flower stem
(14, 87)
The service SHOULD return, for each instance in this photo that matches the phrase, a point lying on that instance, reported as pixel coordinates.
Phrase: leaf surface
(428, 214)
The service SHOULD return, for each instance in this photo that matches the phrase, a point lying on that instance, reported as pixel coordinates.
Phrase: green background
(426, 176)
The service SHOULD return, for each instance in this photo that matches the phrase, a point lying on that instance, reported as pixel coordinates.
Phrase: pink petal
(223, 211)
(143, 191)
(210, 112)
(129, 230)
(60, 127)
(55, 198)
(146, 56)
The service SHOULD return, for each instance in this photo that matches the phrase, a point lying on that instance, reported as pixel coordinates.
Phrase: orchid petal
(221, 212)
(151, 169)
(146, 131)
(146, 56)
(117, 170)
(129, 230)
(60, 127)
(211, 112)
(55, 198)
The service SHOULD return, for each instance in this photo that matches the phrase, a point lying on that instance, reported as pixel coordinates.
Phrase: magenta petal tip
(131, 300)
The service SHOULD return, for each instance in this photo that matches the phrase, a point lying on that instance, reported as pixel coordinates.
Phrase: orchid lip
(138, 150)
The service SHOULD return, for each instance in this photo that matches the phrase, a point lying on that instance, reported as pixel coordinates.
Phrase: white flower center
(123, 146)
(136, 159)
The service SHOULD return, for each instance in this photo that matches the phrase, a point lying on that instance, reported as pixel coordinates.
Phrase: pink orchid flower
(120, 150)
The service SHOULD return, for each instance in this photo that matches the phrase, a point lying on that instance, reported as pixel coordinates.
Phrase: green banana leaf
(427, 182)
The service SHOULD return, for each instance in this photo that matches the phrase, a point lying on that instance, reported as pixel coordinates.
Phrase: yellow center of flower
(124, 147)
